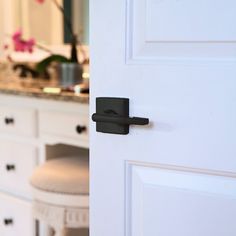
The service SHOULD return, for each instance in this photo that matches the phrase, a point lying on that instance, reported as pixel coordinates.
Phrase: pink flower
(30, 45)
(21, 45)
(17, 35)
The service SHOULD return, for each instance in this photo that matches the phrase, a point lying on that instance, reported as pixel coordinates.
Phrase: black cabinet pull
(10, 167)
(9, 121)
(8, 222)
(80, 129)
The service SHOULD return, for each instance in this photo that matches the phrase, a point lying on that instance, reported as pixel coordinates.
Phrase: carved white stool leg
(54, 204)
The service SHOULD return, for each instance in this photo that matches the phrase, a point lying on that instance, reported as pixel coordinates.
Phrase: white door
(176, 62)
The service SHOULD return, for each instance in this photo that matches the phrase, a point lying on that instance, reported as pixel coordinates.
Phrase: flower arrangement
(67, 21)
(23, 45)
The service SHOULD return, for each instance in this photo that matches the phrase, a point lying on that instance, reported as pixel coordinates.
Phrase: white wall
(42, 21)
(1, 27)
(6, 26)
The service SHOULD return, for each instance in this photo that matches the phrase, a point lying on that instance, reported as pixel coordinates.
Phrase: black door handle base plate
(112, 116)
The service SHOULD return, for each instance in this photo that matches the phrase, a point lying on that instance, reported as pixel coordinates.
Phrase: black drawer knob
(10, 167)
(9, 121)
(8, 221)
(80, 129)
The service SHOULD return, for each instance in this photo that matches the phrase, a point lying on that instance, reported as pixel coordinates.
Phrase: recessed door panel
(180, 29)
(168, 202)
(174, 20)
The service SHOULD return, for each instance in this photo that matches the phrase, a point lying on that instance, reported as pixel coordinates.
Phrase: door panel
(158, 29)
(177, 202)
(173, 20)
(180, 74)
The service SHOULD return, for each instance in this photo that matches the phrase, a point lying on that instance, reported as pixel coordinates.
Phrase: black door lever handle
(115, 119)
(112, 116)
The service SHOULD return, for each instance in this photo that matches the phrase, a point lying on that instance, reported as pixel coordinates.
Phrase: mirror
(44, 21)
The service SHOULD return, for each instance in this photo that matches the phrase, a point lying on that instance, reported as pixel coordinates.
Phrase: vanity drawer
(19, 121)
(68, 125)
(15, 217)
(17, 162)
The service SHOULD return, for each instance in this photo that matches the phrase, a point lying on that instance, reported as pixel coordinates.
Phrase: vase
(69, 74)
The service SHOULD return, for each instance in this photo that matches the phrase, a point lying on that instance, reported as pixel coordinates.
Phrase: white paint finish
(70, 114)
(188, 92)
(188, 201)
(167, 29)
(174, 20)
(24, 158)
(63, 124)
(25, 151)
(20, 212)
(24, 121)
(26, 102)
(60, 200)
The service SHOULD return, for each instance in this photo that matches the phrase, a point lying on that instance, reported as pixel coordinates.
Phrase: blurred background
(43, 22)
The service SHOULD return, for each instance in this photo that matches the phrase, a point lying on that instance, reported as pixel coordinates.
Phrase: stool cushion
(69, 175)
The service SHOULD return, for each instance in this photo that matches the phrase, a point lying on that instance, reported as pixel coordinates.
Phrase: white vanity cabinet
(27, 126)
(18, 121)
(68, 126)
(15, 217)
(17, 161)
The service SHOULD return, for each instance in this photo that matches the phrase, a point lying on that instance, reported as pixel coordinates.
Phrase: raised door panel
(189, 20)
(166, 202)
(159, 29)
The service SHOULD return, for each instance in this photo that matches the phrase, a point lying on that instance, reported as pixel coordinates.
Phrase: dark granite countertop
(34, 88)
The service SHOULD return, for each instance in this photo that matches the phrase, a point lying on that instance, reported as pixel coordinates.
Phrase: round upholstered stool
(61, 193)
